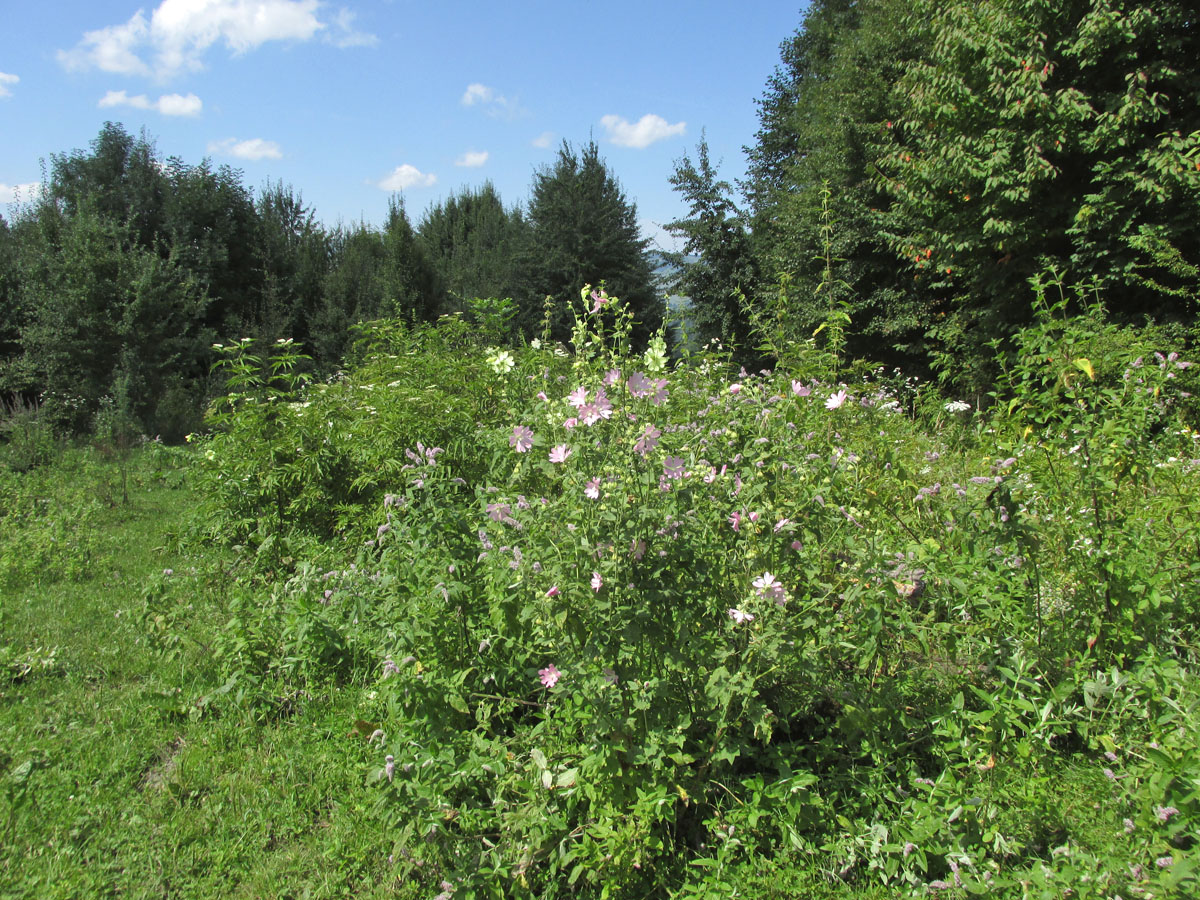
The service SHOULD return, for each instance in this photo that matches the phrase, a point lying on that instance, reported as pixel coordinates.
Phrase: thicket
(638, 628)
(959, 150)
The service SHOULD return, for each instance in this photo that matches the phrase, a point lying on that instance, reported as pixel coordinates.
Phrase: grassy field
(115, 782)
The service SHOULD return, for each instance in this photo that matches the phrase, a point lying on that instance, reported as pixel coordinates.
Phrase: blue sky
(349, 102)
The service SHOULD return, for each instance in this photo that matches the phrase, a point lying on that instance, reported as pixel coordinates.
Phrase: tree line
(918, 162)
(118, 279)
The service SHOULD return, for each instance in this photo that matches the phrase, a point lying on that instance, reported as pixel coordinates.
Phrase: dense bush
(636, 626)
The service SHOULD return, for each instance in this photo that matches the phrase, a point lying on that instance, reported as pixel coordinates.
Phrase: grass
(114, 784)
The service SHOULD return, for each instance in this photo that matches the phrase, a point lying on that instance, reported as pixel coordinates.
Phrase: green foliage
(475, 245)
(715, 232)
(584, 229)
(1035, 134)
(642, 628)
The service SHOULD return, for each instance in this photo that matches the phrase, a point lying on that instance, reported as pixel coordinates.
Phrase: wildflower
(639, 385)
(599, 299)
(597, 582)
(800, 389)
(382, 530)
(390, 667)
(768, 588)
(835, 401)
(909, 847)
(637, 549)
(740, 617)
(553, 592)
(1164, 862)
(501, 361)
(560, 453)
(957, 406)
(1164, 813)
(659, 397)
(735, 389)
(611, 377)
(735, 520)
(673, 467)
(781, 524)
(648, 441)
(521, 439)
(591, 489)
(549, 675)
(656, 355)
(389, 766)
(577, 398)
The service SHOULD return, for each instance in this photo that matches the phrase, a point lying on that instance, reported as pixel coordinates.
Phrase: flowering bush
(641, 624)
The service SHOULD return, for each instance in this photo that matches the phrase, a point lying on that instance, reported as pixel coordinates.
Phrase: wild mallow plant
(649, 623)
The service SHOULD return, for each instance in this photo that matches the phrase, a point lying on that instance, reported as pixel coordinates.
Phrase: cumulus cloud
(6, 81)
(167, 104)
(407, 176)
(543, 140)
(472, 159)
(647, 130)
(252, 149)
(492, 103)
(16, 193)
(178, 33)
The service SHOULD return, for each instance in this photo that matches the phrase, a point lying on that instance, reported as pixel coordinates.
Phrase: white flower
(835, 401)
(501, 361)
(740, 617)
(957, 406)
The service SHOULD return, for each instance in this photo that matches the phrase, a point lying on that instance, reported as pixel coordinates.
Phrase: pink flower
(800, 389)
(735, 520)
(660, 392)
(735, 389)
(637, 549)
(591, 489)
(673, 467)
(570, 423)
(597, 582)
(560, 453)
(541, 395)
(835, 401)
(553, 592)
(550, 675)
(611, 377)
(639, 385)
(521, 439)
(577, 398)
(648, 441)
(739, 617)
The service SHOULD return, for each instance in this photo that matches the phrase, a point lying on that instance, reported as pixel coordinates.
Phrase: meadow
(469, 621)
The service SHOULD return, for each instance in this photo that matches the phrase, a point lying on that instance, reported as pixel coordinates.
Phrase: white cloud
(543, 140)
(167, 104)
(648, 129)
(472, 159)
(407, 176)
(14, 193)
(5, 81)
(346, 35)
(179, 32)
(495, 105)
(477, 93)
(252, 149)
